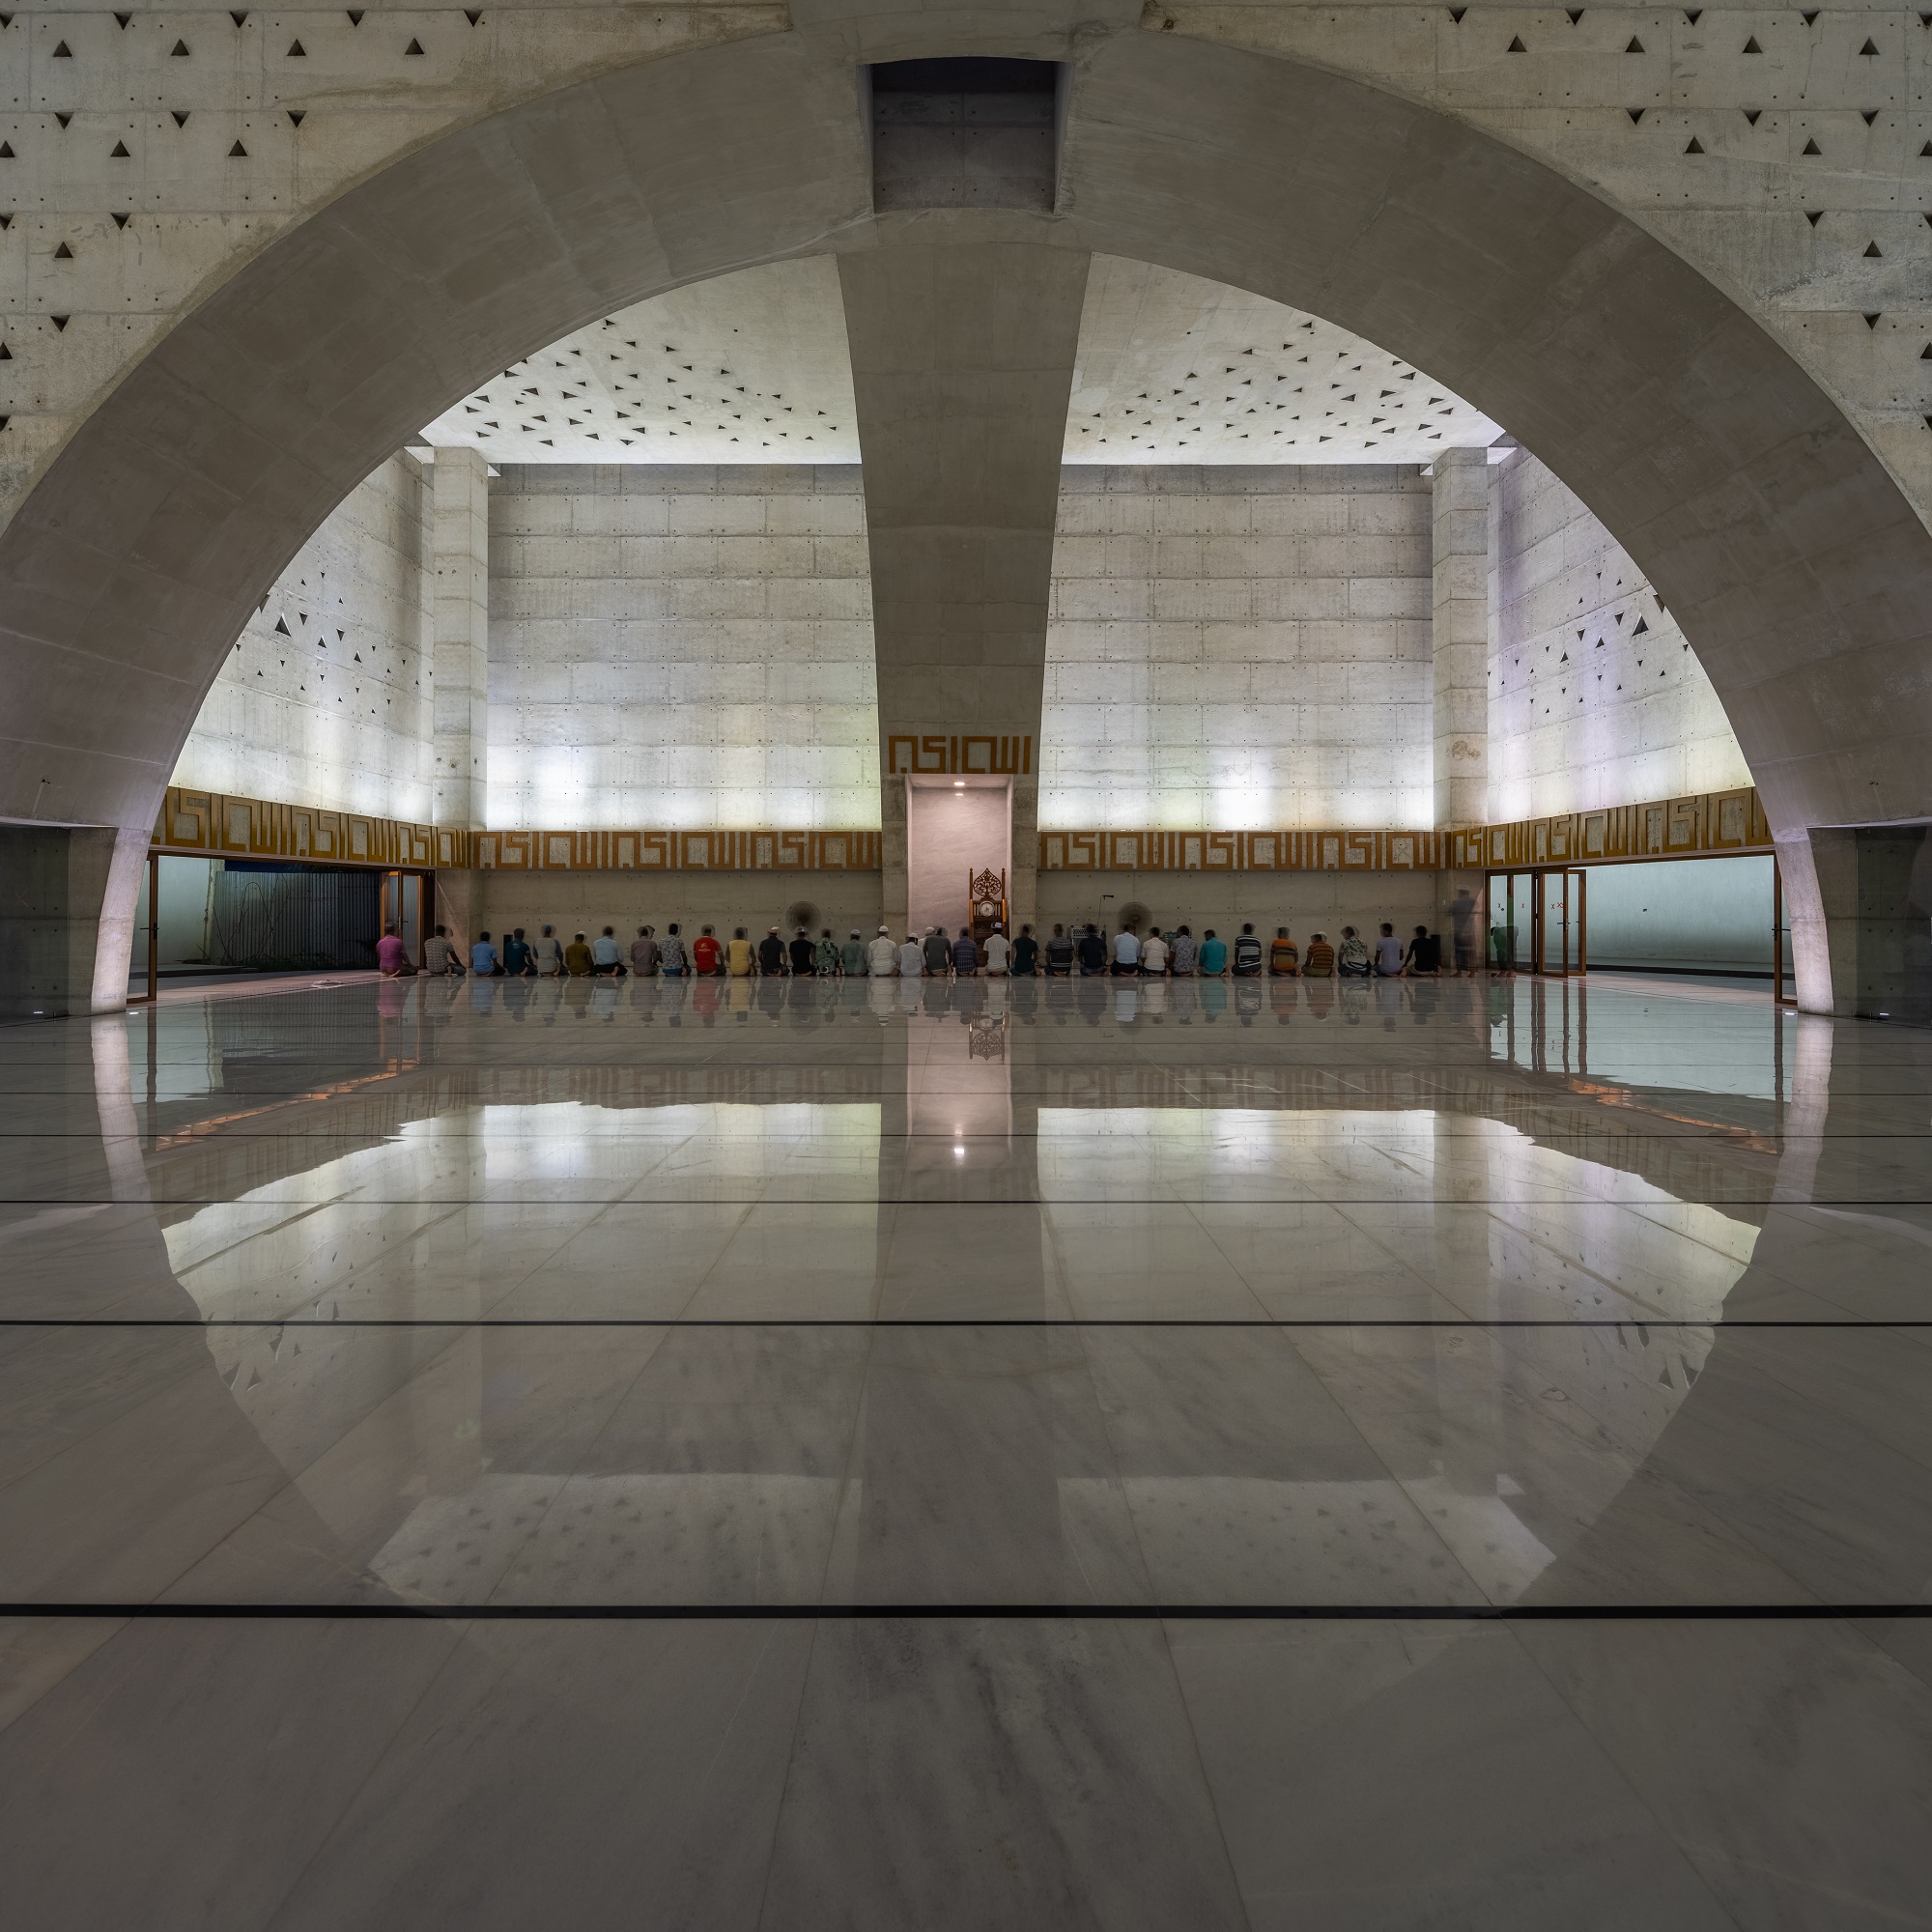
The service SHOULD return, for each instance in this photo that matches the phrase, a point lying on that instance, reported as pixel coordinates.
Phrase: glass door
(1784, 972)
(1510, 897)
(1559, 923)
(144, 959)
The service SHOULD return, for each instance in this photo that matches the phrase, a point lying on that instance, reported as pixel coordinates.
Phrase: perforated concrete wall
(325, 698)
(1240, 647)
(681, 646)
(1595, 699)
(1230, 647)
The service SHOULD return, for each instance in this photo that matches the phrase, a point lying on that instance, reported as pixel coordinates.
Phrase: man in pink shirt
(391, 955)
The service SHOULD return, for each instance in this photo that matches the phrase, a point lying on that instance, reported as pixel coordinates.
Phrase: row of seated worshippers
(1161, 953)
(1178, 953)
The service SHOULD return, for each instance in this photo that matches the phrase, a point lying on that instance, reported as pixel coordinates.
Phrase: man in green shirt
(1213, 955)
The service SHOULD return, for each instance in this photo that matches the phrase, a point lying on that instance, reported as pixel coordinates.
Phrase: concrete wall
(1240, 647)
(1595, 698)
(588, 901)
(325, 698)
(1304, 903)
(681, 646)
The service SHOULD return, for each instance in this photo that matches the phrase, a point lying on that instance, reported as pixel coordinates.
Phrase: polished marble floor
(912, 1456)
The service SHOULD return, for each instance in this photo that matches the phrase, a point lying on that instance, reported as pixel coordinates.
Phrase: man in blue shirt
(483, 958)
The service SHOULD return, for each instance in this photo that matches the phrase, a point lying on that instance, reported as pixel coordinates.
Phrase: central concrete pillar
(1461, 637)
(962, 363)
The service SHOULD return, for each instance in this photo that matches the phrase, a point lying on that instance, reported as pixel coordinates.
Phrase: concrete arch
(1762, 517)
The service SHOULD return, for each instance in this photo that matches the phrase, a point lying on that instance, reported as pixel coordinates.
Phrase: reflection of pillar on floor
(962, 361)
(1468, 1364)
(961, 1452)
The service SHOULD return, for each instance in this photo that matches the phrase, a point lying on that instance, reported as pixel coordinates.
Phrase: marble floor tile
(1068, 1793)
(1407, 1775)
(964, 1454)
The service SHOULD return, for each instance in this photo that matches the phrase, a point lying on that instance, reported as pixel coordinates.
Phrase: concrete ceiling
(753, 367)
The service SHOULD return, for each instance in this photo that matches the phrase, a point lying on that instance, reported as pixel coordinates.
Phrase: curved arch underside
(1791, 560)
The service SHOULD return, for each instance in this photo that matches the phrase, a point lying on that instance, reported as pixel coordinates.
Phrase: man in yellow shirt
(578, 959)
(738, 955)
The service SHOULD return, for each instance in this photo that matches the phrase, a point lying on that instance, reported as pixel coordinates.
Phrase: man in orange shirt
(706, 955)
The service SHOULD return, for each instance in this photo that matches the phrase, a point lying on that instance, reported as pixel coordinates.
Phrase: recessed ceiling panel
(753, 367)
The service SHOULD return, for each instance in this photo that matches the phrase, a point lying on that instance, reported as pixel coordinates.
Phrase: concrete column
(459, 637)
(64, 949)
(1461, 638)
(962, 363)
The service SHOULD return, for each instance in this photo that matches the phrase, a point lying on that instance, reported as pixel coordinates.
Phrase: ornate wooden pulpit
(986, 902)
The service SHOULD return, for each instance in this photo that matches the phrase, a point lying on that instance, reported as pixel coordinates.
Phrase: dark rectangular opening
(971, 133)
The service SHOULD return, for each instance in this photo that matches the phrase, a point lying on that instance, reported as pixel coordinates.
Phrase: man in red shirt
(707, 955)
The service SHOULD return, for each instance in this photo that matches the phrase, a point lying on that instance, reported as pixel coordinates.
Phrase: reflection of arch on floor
(1768, 526)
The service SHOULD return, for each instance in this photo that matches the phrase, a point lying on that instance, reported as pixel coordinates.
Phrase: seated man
(707, 956)
(439, 956)
(772, 955)
(391, 955)
(1388, 954)
(1126, 953)
(1321, 961)
(578, 958)
(644, 954)
(1093, 952)
(519, 961)
(803, 953)
(1058, 955)
(938, 952)
(1247, 953)
(483, 958)
(965, 954)
(1284, 956)
(1153, 956)
(607, 956)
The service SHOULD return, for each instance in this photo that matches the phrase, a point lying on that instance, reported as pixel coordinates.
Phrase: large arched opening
(1792, 561)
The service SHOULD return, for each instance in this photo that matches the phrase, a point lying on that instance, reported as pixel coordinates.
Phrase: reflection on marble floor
(838, 1341)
